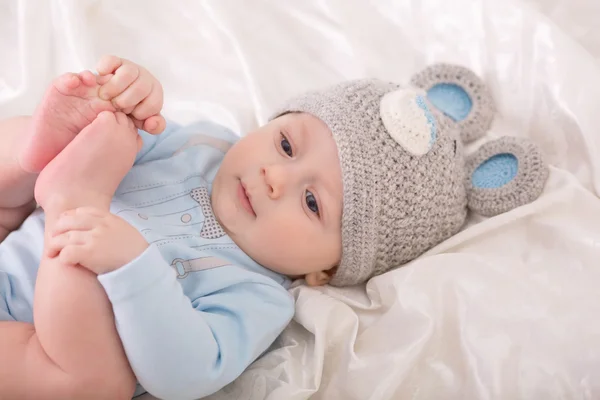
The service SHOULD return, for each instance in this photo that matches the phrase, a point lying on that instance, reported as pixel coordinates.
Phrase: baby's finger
(151, 105)
(133, 95)
(127, 110)
(108, 64)
(75, 223)
(102, 79)
(124, 77)
(138, 124)
(56, 244)
(73, 254)
(52, 249)
(155, 125)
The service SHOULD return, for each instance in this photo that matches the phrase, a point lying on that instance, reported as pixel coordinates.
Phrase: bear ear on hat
(504, 174)
(460, 95)
(409, 120)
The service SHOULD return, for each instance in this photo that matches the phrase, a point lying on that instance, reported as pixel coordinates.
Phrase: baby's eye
(311, 202)
(286, 146)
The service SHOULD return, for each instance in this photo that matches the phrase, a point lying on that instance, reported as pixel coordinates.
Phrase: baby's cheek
(227, 214)
(293, 247)
(285, 238)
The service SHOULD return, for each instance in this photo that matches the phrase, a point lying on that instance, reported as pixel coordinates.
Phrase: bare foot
(89, 169)
(69, 105)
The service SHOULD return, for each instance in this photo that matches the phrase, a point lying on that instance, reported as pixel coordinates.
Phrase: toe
(130, 124)
(88, 78)
(122, 118)
(106, 116)
(67, 82)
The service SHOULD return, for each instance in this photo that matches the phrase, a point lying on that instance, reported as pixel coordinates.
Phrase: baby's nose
(276, 180)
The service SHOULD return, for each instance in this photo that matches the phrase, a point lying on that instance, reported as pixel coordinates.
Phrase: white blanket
(507, 309)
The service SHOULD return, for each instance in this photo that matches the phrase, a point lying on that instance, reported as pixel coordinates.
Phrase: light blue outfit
(193, 311)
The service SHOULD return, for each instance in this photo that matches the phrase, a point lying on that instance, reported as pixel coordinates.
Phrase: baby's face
(278, 194)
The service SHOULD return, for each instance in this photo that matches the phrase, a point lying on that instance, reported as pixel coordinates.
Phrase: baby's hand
(133, 90)
(96, 239)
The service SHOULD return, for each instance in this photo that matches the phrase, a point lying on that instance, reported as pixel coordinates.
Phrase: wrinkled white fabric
(507, 309)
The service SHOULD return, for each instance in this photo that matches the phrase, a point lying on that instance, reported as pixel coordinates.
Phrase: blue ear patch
(430, 119)
(496, 171)
(451, 99)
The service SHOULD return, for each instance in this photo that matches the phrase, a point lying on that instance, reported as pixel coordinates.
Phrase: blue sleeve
(175, 136)
(181, 348)
(151, 142)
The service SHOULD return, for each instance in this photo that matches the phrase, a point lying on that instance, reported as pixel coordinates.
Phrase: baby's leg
(73, 317)
(16, 185)
(75, 351)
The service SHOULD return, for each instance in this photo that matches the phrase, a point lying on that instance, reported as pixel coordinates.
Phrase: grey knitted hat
(407, 184)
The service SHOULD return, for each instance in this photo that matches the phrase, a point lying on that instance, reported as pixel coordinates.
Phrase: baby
(163, 255)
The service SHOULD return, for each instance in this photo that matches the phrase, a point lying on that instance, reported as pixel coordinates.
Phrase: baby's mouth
(245, 199)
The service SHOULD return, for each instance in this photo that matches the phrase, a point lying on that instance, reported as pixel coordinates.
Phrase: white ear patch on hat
(409, 121)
